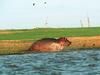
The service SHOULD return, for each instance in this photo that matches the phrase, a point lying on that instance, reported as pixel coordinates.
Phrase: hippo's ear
(62, 38)
(65, 39)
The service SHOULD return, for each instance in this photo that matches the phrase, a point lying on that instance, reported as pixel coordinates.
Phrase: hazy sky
(59, 13)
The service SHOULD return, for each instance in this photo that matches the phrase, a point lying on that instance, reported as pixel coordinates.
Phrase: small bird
(33, 4)
(45, 2)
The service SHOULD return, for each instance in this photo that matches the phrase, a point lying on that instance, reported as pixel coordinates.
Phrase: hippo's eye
(66, 40)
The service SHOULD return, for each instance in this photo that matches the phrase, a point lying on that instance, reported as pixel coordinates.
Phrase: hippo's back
(46, 41)
(44, 44)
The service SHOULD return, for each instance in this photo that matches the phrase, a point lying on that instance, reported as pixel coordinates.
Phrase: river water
(83, 62)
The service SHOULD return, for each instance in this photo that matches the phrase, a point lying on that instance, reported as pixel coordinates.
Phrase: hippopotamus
(50, 44)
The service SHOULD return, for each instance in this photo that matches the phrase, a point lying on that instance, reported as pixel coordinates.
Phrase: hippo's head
(64, 41)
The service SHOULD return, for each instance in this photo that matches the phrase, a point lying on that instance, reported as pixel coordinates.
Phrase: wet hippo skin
(50, 44)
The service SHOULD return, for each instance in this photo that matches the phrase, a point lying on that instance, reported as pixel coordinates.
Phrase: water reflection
(84, 62)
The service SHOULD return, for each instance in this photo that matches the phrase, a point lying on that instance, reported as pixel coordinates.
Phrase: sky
(21, 14)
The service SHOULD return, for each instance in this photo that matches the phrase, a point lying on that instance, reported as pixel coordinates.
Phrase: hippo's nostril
(70, 42)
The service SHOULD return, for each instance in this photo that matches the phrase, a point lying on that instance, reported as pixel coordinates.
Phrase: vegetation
(18, 41)
(34, 34)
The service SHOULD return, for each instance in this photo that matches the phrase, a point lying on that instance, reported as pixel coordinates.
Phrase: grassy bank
(34, 34)
(17, 41)
(14, 46)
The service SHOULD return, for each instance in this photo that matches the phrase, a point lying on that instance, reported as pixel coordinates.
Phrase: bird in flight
(45, 2)
(35, 3)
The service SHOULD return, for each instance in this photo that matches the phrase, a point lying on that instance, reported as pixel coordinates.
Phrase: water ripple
(84, 62)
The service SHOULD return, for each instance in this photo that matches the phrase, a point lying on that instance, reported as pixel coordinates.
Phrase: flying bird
(33, 4)
(45, 2)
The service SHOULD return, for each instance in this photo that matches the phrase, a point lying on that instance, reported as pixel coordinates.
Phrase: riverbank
(20, 46)
(85, 42)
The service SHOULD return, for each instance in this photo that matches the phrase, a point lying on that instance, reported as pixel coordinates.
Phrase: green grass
(34, 34)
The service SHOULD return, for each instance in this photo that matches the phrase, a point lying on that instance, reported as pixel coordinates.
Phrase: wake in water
(84, 62)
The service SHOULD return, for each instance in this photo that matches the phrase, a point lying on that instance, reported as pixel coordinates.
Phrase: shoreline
(18, 46)
(85, 42)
